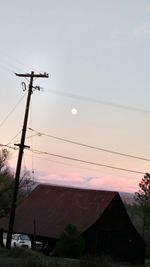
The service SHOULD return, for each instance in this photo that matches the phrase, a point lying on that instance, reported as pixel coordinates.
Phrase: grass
(19, 257)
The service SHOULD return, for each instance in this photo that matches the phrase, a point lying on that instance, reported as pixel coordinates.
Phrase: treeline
(139, 211)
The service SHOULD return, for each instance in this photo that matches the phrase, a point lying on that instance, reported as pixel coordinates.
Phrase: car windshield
(24, 237)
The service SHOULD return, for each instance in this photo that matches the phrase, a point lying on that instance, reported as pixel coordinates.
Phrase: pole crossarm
(32, 75)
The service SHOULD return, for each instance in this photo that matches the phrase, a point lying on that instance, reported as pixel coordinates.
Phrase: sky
(96, 53)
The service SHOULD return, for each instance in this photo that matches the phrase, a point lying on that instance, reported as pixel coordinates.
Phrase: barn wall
(114, 234)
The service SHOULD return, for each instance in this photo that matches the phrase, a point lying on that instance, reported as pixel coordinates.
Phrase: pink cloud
(104, 182)
(90, 179)
(116, 183)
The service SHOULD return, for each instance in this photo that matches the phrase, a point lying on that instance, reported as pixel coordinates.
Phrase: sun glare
(74, 111)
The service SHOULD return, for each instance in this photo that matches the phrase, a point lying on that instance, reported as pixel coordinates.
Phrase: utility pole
(21, 149)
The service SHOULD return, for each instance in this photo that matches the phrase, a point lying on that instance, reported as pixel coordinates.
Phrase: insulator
(23, 86)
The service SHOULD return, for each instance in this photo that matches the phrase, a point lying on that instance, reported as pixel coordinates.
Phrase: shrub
(71, 244)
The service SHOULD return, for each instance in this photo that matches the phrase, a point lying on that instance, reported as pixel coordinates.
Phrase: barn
(100, 217)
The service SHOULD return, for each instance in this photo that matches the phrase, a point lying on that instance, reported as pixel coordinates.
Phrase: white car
(18, 240)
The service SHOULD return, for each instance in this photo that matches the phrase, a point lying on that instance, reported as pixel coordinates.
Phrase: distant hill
(127, 197)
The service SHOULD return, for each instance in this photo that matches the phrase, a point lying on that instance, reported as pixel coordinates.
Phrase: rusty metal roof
(53, 207)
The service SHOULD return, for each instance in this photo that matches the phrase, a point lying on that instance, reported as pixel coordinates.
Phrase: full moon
(74, 111)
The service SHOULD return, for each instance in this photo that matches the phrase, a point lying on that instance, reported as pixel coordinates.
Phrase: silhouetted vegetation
(7, 184)
(139, 211)
(142, 197)
(70, 244)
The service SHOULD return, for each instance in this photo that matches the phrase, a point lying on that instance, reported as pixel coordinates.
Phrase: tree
(142, 197)
(4, 154)
(70, 244)
(26, 183)
(7, 184)
(6, 188)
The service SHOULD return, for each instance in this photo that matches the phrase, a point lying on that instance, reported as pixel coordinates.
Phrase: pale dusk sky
(97, 56)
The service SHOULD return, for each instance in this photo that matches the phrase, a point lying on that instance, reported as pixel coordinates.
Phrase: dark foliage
(7, 185)
(142, 197)
(71, 244)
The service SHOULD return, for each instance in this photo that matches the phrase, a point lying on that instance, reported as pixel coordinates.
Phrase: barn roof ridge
(75, 187)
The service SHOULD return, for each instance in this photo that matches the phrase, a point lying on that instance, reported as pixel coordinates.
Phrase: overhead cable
(10, 113)
(87, 162)
(13, 138)
(62, 163)
(97, 101)
(90, 146)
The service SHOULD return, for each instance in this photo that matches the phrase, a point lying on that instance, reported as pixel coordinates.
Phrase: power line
(15, 61)
(62, 163)
(87, 162)
(13, 138)
(90, 146)
(5, 68)
(97, 101)
(28, 137)
(10, 113)
(66, 164)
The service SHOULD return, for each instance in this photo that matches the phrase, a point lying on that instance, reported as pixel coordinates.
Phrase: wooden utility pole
(21, 149)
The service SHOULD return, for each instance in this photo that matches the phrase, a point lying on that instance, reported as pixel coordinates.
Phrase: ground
(18, 257)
